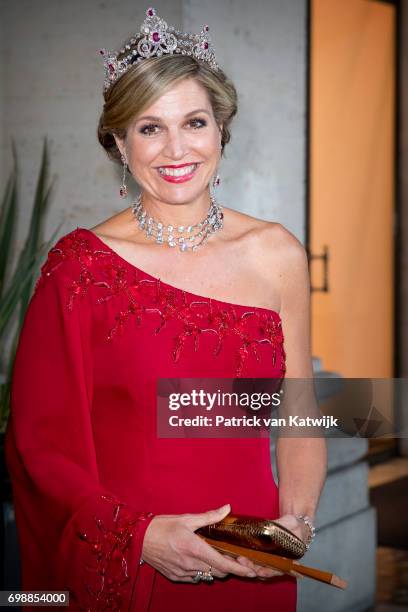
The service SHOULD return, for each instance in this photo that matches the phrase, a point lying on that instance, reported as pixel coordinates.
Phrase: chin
(183, 193)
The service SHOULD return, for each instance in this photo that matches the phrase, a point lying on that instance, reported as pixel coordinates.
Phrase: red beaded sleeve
(74, 535)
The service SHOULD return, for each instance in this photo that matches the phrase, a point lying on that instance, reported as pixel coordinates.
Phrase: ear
(120, 143)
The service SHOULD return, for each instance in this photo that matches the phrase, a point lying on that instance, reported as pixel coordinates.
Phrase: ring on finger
(207, 576)
(198, 576)
(201, 575)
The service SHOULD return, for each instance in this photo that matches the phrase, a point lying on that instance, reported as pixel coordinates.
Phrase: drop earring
(217, 178)
(123, 188)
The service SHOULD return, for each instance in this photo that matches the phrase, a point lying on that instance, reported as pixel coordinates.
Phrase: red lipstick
(178, 179)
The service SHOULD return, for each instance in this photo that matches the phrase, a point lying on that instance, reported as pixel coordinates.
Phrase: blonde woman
(175, 285)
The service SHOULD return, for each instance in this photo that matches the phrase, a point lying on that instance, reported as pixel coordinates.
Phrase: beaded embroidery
(253, 327)
(109, 550)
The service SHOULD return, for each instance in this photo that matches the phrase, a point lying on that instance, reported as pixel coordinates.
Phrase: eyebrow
(153, 118)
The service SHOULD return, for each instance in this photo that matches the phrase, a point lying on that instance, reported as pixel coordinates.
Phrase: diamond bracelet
(312, 531)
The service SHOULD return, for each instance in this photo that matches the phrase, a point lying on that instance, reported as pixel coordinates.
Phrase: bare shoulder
(289, 258)
(280, 259)
(283, 264)
(118, 226)
(245, 228)
(285, 244)
(269, 245)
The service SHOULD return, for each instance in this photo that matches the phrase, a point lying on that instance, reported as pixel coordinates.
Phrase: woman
(105, 508)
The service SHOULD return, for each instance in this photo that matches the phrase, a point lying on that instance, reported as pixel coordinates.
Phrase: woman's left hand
(293, 524)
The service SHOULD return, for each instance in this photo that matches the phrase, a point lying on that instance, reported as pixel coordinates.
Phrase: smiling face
(174, 147)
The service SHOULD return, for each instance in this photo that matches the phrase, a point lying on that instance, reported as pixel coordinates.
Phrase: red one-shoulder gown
(87, 467)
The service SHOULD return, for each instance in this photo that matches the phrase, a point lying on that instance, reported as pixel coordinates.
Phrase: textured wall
(52, 86)
(262, 45)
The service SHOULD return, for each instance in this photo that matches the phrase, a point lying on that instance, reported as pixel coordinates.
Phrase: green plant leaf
(16, 291)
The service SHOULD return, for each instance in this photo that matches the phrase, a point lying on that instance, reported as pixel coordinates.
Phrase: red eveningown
(87, 467)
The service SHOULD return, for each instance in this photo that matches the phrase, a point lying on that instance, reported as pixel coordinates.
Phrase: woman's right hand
(171, 546)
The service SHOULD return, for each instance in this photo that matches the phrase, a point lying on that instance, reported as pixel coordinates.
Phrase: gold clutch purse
(255, 533)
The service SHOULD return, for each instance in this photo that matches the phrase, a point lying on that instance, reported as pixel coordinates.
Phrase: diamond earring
(123, 188)
(217, 178)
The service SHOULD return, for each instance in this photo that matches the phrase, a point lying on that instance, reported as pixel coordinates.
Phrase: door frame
(375, 446)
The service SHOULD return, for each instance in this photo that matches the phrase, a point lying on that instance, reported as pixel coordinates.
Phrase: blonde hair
(147, 81)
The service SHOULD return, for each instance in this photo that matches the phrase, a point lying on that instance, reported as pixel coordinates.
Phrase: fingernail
(251, 574)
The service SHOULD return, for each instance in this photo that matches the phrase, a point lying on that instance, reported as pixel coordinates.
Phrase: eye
(201, 122)
(149, 127)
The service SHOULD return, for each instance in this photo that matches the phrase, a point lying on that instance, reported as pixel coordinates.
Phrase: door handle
(324, 256)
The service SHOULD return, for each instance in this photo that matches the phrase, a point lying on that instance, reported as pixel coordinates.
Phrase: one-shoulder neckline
(165, 284)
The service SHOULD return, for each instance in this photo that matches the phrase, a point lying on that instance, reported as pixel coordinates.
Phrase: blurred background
(320, 144)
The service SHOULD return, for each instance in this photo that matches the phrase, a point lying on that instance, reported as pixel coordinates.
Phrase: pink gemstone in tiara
(156, 36)
(150, 12)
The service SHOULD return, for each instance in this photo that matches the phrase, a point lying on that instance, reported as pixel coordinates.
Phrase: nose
(176, 145)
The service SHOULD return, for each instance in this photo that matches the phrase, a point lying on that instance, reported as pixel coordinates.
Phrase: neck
(178, 213)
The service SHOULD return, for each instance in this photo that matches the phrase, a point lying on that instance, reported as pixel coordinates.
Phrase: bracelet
(141, 561)
(309, 524)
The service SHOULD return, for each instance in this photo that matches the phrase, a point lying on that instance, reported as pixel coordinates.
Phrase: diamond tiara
(156, 38)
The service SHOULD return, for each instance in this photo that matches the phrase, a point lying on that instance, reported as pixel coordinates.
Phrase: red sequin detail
(197, 316)
(107, 574)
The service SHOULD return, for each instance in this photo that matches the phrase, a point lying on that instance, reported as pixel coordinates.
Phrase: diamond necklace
(181, 236)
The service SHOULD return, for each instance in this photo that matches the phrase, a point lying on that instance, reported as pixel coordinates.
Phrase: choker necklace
(185, 237)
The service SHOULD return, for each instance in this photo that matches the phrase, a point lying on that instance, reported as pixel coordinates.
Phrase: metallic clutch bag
(255, 533)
